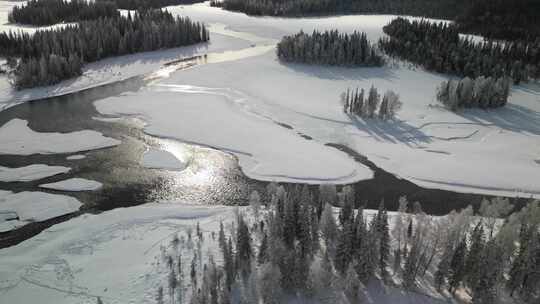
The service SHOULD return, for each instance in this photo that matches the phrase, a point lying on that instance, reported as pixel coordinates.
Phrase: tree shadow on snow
(341, 72)
(392, 131)
(377, 292)
(511, 117)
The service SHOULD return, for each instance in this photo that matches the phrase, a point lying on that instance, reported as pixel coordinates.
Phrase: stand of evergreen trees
(502, 19)
(47, 12)
(295, 245)
(438, 47)
(49, 56)
(447, 9)
(329, 47)
(371, 107)
(138, 4)
(480, 92)
(497, 19)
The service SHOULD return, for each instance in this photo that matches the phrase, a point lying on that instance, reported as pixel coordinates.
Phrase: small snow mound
(74, 184)
(160, 159)
(30, 172)
(17, 138)
(76, 157)
(21, 208)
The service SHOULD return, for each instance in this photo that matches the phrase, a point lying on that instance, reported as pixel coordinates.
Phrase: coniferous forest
(295, 244)
(438, 47)
(47, 12)
(138, 4)
(498, 19)
(480, 92)
(502, 19)
(49, 56)
(329, 47)
(438, 9)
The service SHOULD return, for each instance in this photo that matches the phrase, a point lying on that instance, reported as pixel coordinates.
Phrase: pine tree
(519, 266)
(329, 228)
(352, 285)
(372, 102)
(263, 250)
(344, 250)
(384, 239)
(457, 266)
(367, 260)
(243, 247)
(473, 260)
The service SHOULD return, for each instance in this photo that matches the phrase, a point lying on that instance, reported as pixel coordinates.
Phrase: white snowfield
(30, 172)
(118, 256)
(17, 138)
(112, 255)
(232, 104)
(74, 184)
(76, 157)
(493, 152)
(221, 119)
(26, 207)
(160, 159)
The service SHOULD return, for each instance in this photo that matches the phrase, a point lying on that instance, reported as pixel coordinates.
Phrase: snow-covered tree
(329, 230)
(255, 203)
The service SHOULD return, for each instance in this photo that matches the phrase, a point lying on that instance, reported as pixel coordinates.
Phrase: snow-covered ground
(30, 172)
(253, 91)
(74, 184)
(17, 138)
(221, 119)
(76, 157)
(468, 151)
(160, 159)
(119, 256)
(25, 207)
(114, 255)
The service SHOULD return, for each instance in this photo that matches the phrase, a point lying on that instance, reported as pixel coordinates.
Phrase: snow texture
(76, 157)
(32, 207)
(119, 256)
(160, 159)
(30, 172)
(74, 184)
(471, 150)
(17, 138)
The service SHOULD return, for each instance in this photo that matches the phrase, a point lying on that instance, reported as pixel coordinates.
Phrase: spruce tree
(457, 266)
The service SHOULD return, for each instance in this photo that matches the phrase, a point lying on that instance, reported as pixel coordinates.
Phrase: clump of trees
(371, 106)
(302, 247)
(49, 56)
(502, 19)
(481, 92)
(329, 47)
(497, 19)
(438, 47)
(145, 4)
(46, 12)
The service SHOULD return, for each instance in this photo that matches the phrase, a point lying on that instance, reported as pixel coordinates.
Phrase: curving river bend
(211, 176)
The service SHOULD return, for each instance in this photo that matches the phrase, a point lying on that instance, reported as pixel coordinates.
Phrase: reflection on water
(210, 176)
(189, 62)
